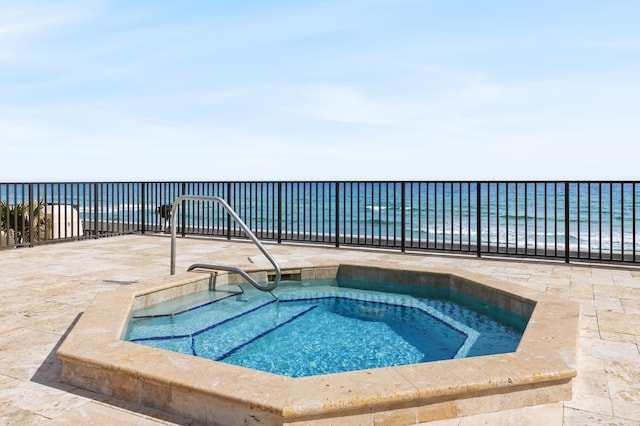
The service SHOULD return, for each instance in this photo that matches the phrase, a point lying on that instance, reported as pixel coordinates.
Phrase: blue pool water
(325, 326)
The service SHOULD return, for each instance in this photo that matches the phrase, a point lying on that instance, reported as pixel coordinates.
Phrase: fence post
(633, 216)
(478, 221)
(95, 210)
(566, 222)
(31, 222)
(228, 215)
(183, 191)
(403, 216)
(279, 212)
(143, 204)
(337, 184)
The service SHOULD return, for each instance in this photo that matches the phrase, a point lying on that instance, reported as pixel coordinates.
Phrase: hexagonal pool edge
(94, 357)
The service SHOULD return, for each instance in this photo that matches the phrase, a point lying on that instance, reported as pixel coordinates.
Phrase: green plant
(21, 220)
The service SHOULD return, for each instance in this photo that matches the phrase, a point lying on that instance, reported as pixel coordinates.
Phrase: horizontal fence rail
(574, 220)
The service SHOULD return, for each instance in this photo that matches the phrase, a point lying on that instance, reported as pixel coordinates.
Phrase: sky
(319, 90)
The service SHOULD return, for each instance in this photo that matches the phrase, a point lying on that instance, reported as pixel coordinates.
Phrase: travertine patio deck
(44, 289)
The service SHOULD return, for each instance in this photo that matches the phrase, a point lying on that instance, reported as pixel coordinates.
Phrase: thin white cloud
(340, 103)
(11, 131)
(25, 20)
(630, 43)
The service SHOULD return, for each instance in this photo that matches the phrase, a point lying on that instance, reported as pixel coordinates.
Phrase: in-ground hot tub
(95, 357)
(321, 326)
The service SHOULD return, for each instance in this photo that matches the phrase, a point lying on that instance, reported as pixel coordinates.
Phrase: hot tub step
(222, 341)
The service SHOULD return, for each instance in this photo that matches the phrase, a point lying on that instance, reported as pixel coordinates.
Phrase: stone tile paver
(44, 289)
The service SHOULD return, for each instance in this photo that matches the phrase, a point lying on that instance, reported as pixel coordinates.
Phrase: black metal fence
(565, 220)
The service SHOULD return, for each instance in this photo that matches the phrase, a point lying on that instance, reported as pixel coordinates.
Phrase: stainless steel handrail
(244, 227)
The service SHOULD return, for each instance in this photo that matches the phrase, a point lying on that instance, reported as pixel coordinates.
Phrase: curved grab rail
(244, 227)
(235, 269)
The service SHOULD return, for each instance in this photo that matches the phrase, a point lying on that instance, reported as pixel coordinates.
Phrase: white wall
(62, 222)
